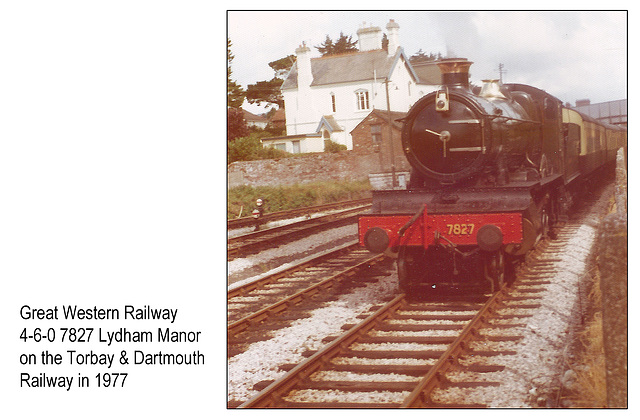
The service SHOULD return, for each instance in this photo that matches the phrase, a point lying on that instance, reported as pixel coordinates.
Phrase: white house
(254, 120)
(330, 95)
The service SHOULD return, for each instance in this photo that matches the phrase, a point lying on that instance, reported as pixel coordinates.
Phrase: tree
(235, 93)
(268, 91)
(282, 66)
(326, 47)
(421, 57)
(236, 124)
(343, 44)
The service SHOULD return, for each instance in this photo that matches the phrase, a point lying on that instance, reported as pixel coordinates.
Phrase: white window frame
(362, 100)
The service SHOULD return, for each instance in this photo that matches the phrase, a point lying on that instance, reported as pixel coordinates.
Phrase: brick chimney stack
(369, 38)
(303, 60)
(393, 36)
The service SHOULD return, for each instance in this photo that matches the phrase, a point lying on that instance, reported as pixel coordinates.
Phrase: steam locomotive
(493, 171)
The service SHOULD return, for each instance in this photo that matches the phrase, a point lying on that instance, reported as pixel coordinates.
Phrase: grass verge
(241, 200)
(590, 387)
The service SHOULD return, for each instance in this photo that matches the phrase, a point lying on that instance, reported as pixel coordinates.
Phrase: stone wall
(304, 168)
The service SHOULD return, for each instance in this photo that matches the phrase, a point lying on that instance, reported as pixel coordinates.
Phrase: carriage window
(572, 137)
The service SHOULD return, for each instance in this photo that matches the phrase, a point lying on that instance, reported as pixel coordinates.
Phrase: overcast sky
(570, 54)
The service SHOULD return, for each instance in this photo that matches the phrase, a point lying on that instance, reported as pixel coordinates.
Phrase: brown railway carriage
(598, 142)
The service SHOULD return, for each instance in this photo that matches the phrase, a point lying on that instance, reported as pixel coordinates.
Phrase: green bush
(333, 147)
(250, 148)
(285, 197)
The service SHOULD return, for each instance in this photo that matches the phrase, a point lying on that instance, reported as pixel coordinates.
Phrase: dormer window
(362, 99)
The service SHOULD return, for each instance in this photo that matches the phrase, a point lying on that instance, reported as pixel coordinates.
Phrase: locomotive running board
(476, 200)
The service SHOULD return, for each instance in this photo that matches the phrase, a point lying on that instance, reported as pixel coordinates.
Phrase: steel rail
(533, 279)
(420, 397)
(243, 289)
(256, 317)
(238, 244)
(319, 219)
(279, 215)
(271, 396)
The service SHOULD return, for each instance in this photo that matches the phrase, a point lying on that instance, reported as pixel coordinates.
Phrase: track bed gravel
(533, 375)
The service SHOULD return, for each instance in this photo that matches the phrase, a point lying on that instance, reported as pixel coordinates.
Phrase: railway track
(399, 356)
(250, 304)
(253, 242)
(407, 354)
(288, 214)
(454, 353)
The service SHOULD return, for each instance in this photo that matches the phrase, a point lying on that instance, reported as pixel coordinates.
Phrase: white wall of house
(306, 105)
(257, 124)
(298, 145)
(305, 108)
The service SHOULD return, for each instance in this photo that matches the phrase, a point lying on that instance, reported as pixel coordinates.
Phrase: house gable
(372, 135)
(332, 94)
(328, 123)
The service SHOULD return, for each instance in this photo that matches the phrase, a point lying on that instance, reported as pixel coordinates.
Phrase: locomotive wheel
(545, 218)
(494, 270)
(544, 222)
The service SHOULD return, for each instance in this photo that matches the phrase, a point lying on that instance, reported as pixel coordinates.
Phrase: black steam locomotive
(494, 169)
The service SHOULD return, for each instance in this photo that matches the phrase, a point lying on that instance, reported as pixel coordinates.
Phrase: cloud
(569, 54)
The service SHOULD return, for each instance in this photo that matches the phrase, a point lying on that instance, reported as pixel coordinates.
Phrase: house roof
(249, 117)
(349, 67)
(396, 118)
(428, 73)
(292, 137)
(278, 116)
(330, 123)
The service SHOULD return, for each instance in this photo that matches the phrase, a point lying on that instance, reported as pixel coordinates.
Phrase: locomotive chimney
(455, 71)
